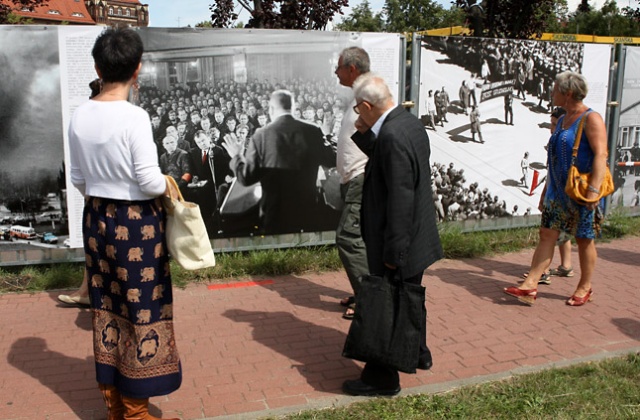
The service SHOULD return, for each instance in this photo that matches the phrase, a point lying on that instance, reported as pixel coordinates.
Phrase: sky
(173, 14)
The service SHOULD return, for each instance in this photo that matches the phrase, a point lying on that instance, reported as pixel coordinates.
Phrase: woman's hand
(591, 195)
(597, 137)
(171, 190)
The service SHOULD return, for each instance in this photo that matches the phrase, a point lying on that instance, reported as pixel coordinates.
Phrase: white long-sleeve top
(112, 152)
(350, 160)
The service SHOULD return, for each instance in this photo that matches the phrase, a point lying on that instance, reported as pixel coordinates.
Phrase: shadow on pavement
(63, 375)
(32, 356)
(628, 326)
(485, 285)
(619, 256)
(295, 290)
(314, 350)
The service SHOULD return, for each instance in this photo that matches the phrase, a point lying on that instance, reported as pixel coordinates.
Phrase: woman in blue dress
(559, 212)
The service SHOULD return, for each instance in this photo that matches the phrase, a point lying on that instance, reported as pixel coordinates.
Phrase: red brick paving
(272, 347)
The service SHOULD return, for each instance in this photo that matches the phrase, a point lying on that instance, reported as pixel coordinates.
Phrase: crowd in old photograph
(526, 67)
(192, 121)
(532, 65)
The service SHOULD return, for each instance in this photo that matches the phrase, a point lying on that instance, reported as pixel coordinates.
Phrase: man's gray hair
(284, 99)
(570, 81)
(357, 57)
(371, 88)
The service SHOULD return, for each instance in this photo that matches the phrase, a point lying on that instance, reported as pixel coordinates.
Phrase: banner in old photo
(486, 105)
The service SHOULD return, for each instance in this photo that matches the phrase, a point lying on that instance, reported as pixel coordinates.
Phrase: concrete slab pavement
(274, 346)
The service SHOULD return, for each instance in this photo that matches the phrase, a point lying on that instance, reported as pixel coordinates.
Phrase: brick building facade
(87, 12)
(118, 12)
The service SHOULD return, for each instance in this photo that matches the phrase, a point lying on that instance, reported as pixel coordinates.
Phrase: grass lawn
(608, 389)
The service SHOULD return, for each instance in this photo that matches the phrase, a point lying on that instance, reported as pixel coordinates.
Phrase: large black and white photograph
(247, 124)
(32, 182)
(486, 105)
(626, 175)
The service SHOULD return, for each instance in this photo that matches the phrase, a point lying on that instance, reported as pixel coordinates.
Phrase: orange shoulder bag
(579, 184)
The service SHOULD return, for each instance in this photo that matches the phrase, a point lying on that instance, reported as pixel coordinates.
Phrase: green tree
(510, 18)
(557, 19)
(204, 24)
(362, 19)
(412, 15)
(631, 13)
(584, 6)
(453, 16)
(401, 16)
(283, 14)
(7, 17)
(608, 21)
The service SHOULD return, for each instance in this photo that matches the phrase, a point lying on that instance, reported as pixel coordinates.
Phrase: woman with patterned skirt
(115, 165)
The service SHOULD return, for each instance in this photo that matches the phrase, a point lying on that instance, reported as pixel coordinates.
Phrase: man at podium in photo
(284, 157)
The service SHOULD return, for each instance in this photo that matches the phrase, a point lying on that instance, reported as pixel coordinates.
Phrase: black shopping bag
(386, 326)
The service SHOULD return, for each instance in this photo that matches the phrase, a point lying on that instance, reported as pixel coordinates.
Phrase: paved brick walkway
(270, 347)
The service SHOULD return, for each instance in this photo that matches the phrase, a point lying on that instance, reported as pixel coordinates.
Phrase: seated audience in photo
(210, 171)
(175, 162)
(262, 118)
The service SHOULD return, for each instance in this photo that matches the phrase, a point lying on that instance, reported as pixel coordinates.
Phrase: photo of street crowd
(486, 105)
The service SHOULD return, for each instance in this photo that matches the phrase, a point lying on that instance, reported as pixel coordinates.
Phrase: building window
(119, 12)
(77, 14)
(128, 12)
(100, 11)
(111, 10)
(53, 12)
(624, 137)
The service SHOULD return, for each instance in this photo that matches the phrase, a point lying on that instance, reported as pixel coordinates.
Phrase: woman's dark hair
(117, 54)
(95, 87)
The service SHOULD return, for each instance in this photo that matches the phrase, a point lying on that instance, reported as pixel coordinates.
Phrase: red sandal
(526, 296)
(579, 301)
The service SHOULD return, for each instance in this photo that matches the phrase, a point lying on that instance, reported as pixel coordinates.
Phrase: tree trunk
(257, 13)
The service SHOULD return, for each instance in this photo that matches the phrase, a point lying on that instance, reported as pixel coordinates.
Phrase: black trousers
(384, 377)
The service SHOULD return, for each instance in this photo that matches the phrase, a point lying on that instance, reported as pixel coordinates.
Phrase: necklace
(566, 121)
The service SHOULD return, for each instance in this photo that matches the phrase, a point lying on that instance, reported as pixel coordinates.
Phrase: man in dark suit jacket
(398, 214)
(284, 157)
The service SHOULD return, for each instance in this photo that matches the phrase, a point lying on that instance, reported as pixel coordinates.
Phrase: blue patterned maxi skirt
(130, 290)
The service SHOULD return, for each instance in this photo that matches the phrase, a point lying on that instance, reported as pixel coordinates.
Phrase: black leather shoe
(425, 364)
(357, 387)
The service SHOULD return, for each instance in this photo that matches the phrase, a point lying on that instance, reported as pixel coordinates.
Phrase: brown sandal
(347, 301)
(350, 312)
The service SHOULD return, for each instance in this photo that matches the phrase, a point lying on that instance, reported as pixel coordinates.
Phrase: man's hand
(361, 126)
(232, 145)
